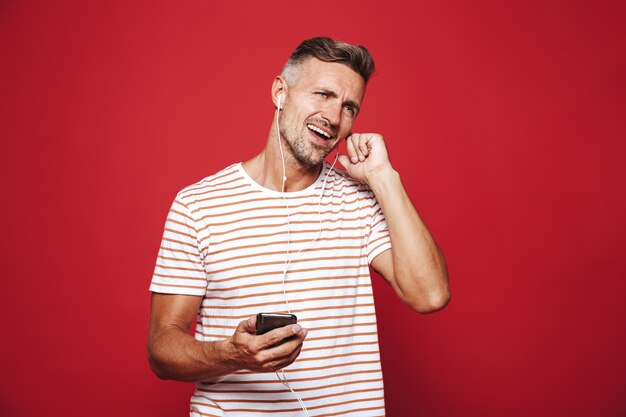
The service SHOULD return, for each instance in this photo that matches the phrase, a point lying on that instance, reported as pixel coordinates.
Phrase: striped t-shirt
(225, 240)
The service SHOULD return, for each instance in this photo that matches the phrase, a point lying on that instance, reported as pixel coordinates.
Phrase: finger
(275, 336)
(344, 161)
(363, 141)
(355, 139)
(294, 355)
(284, 361)
(284, 354)
(290, 344)
(354, 158)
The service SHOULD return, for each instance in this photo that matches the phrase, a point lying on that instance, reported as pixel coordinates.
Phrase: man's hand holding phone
(267, 352)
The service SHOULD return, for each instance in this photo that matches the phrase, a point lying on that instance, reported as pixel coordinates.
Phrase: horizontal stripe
(352, 381)
(280, 272)
(292, 379)
(285, 410)
(183, 234)
(180, 213)
(176, 268)
(291, 400)
(184, 278)
(157, 284)
(167, 258)
(379, 246)
(232, 328)
(294, 280)
(293, 232)
(179, 242)
(220, 190)
(274, 216)
(291, 291)
(245, 316)
(282, 242)
(318, 368)
(163, 249)
(314, 339)
(212, 182)
(294, 301)
(291, 262)
(356, 410)
(281, 252)
(217, 214)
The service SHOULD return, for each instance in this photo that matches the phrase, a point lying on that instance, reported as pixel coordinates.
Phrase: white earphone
(280, 97)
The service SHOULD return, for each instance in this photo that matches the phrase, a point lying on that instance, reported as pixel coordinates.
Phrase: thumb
(247, 326)
(345, 161)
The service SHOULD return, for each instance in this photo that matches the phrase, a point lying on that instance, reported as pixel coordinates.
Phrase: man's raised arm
(415, 266)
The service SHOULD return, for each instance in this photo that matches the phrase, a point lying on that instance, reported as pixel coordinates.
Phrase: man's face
(320, 109)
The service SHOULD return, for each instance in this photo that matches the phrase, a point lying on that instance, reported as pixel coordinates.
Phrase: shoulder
(340, 180)
(209, 184)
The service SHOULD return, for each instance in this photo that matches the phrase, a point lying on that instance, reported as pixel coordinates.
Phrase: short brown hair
(325, 49)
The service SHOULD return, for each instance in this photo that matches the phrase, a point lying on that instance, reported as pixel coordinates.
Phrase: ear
(279, 87)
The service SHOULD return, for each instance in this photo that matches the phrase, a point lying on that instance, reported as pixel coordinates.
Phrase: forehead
(334, 76)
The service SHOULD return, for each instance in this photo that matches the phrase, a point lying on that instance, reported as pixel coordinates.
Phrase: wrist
(380, 176)
(222, 354)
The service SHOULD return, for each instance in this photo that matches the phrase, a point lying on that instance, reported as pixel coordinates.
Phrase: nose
(332, 113)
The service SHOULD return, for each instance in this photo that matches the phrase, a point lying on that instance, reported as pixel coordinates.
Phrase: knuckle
(253, 348)
(263, 357)
(273, 338)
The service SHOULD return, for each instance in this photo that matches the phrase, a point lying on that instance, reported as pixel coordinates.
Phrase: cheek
(313, 108)
(291, 119)
(346, 128)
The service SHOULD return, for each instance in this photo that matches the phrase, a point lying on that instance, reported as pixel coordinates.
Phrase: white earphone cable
(283, 380)
(289, 260)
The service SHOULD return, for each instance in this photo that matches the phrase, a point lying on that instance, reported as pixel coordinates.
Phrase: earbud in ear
(280, 98)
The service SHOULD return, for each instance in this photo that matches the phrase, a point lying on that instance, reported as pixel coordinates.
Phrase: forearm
(174, 354)
(419, 270)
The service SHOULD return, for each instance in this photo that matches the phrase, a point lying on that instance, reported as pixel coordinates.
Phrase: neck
(266, 168)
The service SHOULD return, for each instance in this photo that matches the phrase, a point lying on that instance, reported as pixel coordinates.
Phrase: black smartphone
(270, 321)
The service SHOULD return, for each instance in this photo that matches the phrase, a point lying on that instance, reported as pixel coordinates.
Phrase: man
(286, 232)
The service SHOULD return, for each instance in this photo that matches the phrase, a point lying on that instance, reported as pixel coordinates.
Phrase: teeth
(318, 130)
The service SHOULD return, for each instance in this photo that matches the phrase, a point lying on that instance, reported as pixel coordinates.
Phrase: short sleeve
(179, 268)
(378, 239)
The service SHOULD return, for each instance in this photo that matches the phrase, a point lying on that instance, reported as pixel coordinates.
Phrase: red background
(505, 120)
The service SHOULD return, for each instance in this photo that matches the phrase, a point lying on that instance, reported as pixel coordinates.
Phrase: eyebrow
(349, 102)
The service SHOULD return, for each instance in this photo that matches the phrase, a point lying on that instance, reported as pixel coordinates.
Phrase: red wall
(505, 119)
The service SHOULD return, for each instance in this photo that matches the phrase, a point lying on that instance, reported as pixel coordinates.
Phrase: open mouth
(319, 132)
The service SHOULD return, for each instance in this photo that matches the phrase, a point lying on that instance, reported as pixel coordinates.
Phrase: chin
(310, 163)
(311, 158)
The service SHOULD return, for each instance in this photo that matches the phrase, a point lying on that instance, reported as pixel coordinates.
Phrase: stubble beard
(303, 151)
(307, 153)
